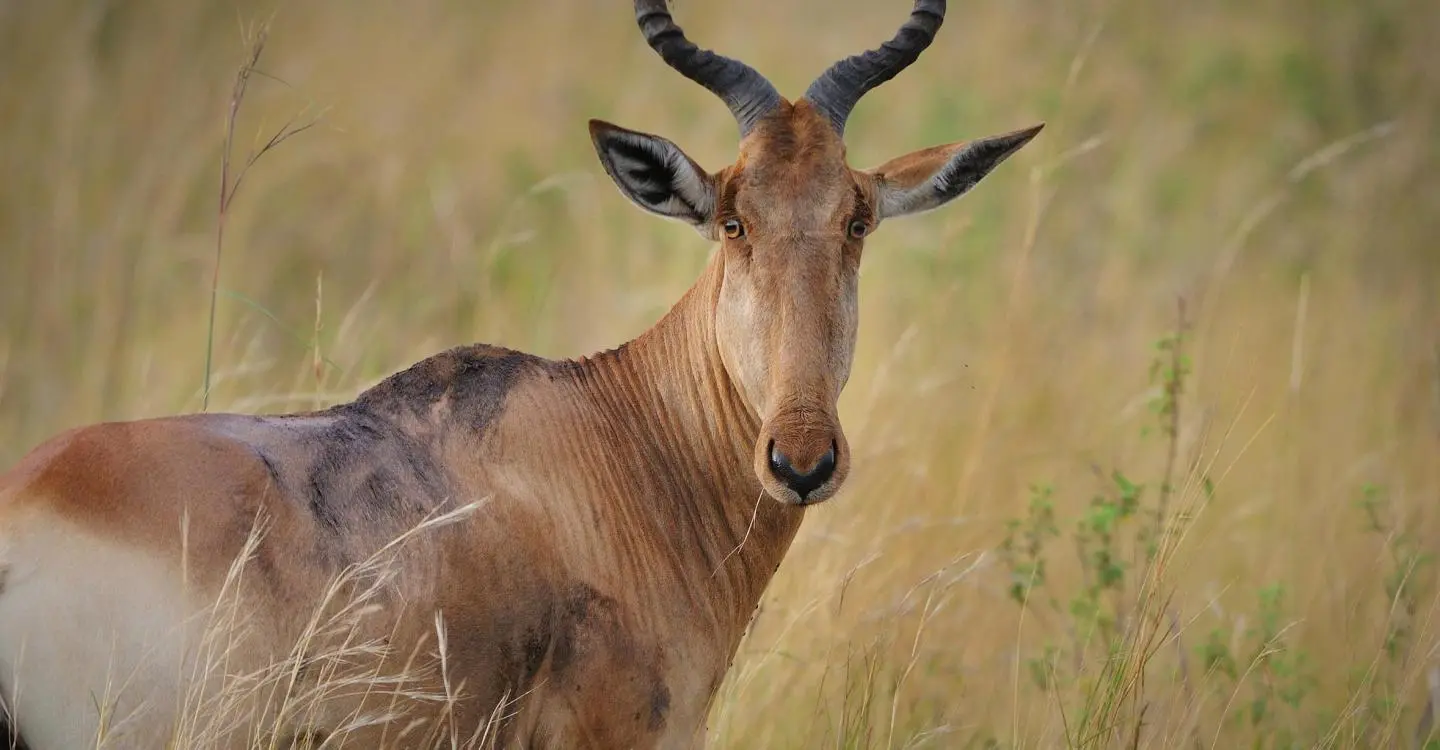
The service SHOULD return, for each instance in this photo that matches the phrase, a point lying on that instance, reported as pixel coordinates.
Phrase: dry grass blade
(230, 184)
(327, 663)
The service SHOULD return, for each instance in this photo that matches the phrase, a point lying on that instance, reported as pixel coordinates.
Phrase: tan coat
(608, 525)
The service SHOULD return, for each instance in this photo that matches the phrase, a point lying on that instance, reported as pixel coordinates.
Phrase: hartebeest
(597, 593)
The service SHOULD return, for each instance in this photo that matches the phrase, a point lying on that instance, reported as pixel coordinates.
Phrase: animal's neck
(725, 537)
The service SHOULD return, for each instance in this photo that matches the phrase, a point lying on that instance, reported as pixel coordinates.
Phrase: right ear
(655, 174)
(932, 177)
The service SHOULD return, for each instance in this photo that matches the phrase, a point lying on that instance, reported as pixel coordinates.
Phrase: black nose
(802, 484)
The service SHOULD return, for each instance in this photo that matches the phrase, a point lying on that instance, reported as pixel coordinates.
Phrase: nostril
(826, 465)
(778, 461)
(802, 484)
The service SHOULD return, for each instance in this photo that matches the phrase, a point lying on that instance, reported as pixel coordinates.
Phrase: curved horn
(747, 93)
(837, 90)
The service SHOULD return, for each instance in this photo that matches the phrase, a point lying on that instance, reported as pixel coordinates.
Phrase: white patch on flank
(89, 633)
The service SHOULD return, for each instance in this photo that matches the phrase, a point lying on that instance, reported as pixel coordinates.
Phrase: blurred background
(1146, 428)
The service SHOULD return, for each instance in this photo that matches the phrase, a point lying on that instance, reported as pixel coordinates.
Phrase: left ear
(655, 174)
(932, 177)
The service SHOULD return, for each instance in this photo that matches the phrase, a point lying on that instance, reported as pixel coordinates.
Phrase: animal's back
(118, 545)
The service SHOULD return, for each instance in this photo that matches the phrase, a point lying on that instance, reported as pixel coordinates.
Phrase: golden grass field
(1275, 164)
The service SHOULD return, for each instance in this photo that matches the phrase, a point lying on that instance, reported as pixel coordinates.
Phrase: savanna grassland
(1146, 429)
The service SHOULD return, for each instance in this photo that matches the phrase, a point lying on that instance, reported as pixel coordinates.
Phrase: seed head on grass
(255, 39)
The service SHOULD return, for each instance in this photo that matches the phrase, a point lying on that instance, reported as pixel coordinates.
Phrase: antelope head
(791, 217)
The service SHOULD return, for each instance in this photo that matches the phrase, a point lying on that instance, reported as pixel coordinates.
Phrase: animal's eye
(858, 228)
(733, 229)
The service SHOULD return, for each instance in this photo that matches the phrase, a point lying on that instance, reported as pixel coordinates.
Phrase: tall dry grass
(1273, 164)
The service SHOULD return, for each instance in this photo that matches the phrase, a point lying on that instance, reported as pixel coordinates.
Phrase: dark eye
(858, 228)
(733, 229)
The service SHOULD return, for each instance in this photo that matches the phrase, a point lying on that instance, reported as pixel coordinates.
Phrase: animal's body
(594, 573)
(618, 520)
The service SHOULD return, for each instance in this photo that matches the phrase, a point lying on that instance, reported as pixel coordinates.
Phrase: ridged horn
(838, 89)
(748, 94)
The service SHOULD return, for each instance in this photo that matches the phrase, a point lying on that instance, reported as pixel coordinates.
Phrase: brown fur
(622, 539)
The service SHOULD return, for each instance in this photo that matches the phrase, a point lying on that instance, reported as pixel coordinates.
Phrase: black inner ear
(963, 171)
(655, 174)
(974, 162)
(645, 172)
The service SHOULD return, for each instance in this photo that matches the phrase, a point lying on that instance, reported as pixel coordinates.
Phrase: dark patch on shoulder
(270, 467)
(583, 611)
(535, 643)
(344, 454)
(373, 464)
(659, 706)
(364, 468)
(381, 483)
(472, 380)
(322, 510)
(523, 654)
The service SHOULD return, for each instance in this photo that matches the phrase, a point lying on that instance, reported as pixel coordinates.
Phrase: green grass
(1274, 164)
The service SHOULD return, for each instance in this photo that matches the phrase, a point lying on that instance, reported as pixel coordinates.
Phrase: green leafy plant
(1104, 631)
(1406, 586)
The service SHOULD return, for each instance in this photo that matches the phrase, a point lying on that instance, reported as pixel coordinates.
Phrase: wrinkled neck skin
(700, 533)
